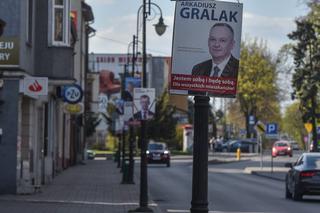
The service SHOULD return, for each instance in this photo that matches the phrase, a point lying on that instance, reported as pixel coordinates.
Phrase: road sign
(251, 119)
(72, 94)
(260, 127)
(308, 127)
(272, 130)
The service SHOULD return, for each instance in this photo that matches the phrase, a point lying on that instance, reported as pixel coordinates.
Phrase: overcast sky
(116, 22)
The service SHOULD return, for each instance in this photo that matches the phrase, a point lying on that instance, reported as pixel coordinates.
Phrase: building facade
(39, 136)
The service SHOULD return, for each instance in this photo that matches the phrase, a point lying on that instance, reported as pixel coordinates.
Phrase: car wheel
(288, 193)
(168, 164)
(296, 195)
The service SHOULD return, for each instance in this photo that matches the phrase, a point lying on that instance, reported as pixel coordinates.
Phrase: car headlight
(147, 152)
(166, 152)
(289, 148)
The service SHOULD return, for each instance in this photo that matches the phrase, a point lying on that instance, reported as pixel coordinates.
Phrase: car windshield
(313, 162)
(156, 146)
(281, 144)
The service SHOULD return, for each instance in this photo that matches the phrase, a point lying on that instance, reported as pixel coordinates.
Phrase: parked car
(294, 145)
(311, 146)
(281, 148)
(91, 154)
(158, 153)
(225, 145)
(303, 178)
(245, 145)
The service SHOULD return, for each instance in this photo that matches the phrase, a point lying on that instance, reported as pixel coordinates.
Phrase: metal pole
(118, 152)
(133, 54)
(131, 160)
(261, 152)
(199, 202)
(131, 132)
(271, 163)
(143, 203)
(123, 150)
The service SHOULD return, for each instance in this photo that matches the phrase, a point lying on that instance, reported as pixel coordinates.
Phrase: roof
(87, 12)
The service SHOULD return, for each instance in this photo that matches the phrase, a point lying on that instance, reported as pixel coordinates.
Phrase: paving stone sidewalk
(90, 188)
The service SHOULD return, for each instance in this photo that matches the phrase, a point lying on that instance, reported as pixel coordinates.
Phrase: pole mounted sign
(260, 127)
(72, 94)
(35, 86)
(206, 48)
(272, 130)
(308, 127)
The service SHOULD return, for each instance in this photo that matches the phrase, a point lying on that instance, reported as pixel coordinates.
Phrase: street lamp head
(160, 27)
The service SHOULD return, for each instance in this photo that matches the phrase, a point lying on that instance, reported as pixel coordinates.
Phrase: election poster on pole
(206, 48)
(144, 103)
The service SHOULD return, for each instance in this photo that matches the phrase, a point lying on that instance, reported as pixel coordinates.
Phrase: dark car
(281, 148)
(91, 154)
(245, 145)
(225, 145)
(303, 178)
(158, 153)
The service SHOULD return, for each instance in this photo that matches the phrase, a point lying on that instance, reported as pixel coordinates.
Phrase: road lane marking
(188, 211)
(78, 202)
(222, 170)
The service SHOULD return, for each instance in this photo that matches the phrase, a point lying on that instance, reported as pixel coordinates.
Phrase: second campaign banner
(206, 48)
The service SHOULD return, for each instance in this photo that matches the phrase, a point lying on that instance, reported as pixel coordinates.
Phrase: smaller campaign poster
(144, 103)
(130, 84)
(206, 48)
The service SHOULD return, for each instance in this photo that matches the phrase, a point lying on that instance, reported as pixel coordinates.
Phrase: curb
(267, 176)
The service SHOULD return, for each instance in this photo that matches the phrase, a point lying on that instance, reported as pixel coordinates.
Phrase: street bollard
(238, 154)
(125, 172)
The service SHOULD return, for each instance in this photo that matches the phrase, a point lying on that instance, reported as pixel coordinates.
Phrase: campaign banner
(206, 48)
(144, 103)
(130, 84)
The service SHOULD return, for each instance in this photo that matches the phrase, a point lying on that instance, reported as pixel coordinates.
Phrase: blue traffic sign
(272, 129)
(72, 94)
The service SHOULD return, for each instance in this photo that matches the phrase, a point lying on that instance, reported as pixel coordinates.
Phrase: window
(59, 22)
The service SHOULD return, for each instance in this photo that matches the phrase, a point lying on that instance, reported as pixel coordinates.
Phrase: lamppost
(160, 29)
(130, 178)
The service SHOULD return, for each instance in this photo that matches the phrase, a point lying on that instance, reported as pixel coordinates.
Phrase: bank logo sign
(35, 86)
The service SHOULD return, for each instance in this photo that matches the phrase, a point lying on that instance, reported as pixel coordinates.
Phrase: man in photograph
(128, 93)
(144, 113)
(222, 63)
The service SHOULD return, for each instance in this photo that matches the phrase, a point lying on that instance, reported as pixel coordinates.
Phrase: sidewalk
(276, 173)
(90, 188)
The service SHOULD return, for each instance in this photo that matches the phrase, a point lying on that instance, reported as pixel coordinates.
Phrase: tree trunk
(314, 124)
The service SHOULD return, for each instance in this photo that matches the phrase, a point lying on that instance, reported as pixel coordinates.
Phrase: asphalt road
(229, 189)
